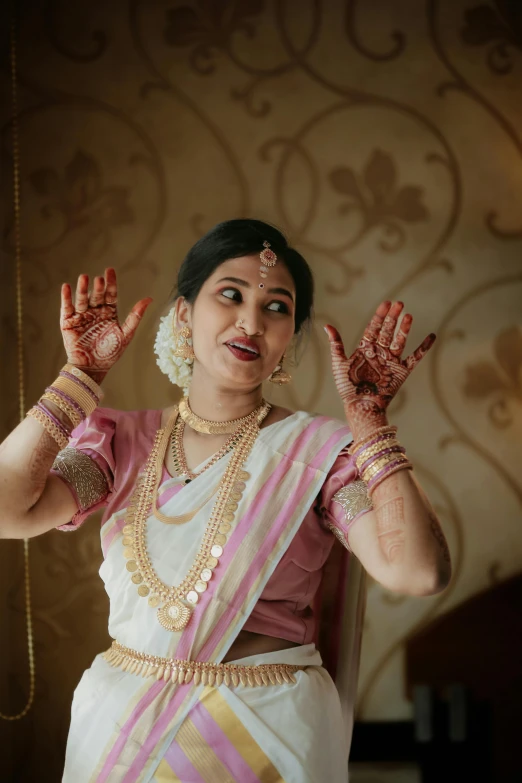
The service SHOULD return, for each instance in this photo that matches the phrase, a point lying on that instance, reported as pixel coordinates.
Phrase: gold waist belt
(180, 671)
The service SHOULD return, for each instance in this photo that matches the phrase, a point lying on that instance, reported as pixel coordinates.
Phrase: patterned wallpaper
(384, 138)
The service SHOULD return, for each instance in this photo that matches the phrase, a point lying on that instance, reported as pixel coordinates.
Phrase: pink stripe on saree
(180, 765)
(216, 738)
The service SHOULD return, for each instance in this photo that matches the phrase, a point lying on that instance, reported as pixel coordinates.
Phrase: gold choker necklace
(218, 427)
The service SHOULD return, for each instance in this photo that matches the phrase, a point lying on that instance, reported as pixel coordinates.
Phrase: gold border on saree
(180, 671)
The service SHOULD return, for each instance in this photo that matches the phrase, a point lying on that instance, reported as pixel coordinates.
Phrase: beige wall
(385, 139)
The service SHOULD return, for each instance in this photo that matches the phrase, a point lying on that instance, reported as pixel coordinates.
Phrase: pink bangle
(393, 467)
(372, 442)
(373, 437)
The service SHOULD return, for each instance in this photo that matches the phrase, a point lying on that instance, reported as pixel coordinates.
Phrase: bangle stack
(75, 394)
(379, 456)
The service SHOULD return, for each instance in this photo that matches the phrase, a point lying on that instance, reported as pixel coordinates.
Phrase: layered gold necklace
(176, 602)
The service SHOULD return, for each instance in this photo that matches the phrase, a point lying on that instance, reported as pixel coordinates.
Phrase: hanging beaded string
(20, 356)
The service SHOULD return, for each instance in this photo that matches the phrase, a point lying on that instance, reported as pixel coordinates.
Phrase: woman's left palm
(369, 379)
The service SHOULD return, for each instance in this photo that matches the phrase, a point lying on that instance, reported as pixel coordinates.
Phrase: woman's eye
(231, 293)
(281, 307)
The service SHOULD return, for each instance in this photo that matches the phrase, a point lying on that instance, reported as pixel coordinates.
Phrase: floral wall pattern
(385, 140)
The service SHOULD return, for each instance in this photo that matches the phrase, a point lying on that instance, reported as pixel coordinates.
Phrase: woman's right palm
(92, 335)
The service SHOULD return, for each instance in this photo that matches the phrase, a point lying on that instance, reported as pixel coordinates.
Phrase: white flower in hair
(175, 368)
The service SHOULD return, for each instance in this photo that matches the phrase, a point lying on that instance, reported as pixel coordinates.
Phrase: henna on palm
(370, 378)
(94, 340)
(92, 335)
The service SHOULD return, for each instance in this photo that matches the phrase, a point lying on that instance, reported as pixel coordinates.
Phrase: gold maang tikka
(268, 259)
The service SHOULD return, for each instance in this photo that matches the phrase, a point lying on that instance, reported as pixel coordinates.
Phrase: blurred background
(385, 139)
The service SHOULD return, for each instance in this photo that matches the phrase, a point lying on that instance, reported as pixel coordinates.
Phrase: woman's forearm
(414, 556)
(26, 457)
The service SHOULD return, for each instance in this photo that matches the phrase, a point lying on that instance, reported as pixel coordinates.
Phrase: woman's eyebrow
(246, 284)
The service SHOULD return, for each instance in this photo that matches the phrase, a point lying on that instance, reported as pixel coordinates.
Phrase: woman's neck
(219, 404)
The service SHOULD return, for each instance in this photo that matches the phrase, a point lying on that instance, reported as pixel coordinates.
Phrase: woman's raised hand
(370, 378)
(92, 335)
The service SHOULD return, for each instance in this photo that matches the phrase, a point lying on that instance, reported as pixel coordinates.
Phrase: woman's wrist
(365, 420)
(94, 375)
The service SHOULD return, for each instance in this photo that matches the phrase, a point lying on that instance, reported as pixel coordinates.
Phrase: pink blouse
(119, 442)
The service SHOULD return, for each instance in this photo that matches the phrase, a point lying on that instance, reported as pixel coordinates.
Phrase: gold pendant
(174, 616)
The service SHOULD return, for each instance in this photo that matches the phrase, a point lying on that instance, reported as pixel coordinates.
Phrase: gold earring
(279, 375)
(183, 344)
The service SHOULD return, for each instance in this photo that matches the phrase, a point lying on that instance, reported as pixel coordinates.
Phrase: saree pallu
(129, 729)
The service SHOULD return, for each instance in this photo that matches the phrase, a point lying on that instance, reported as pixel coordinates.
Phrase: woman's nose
(251, 322)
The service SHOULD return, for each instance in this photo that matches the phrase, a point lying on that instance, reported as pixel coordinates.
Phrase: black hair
(243, 237)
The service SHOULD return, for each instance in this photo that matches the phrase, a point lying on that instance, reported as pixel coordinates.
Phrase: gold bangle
(49, 426)
(375, 449)
(388, 430)
(86, 379)
(75, 391)
(64, 406)
(381, 463)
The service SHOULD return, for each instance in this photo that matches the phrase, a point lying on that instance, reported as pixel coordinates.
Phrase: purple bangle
(389, 450)
(386, 469)
(396, 469)
(378, 438)
(68, 399)
(81, 383)
(58, 423)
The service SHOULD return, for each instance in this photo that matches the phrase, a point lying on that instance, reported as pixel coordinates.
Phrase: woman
(220, 515)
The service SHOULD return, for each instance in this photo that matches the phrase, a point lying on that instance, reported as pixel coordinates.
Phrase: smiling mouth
(242, 351)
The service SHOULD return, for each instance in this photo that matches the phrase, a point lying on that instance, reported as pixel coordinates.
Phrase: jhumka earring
(279, 375)
(183, 344)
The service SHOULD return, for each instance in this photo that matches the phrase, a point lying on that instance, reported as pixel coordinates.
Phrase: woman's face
(232, 293)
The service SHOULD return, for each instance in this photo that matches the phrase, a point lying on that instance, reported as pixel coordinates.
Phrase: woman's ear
(183, 312)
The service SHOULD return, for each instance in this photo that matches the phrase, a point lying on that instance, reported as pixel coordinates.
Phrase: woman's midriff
(248, 643)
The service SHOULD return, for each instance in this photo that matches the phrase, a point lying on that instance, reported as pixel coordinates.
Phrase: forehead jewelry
(268, 259)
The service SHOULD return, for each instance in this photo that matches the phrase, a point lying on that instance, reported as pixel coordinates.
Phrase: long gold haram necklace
(174, 613)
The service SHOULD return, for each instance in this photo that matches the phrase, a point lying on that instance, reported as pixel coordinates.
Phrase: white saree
(127, 728)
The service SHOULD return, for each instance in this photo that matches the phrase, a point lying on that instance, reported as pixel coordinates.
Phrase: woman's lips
(243, 355)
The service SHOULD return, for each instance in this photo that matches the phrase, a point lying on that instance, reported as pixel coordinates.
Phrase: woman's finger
(414, 358)
(336, 342)
(388, 325)
(82, 294)
(98, 292)
(399, 341)
(67, 307)
(134, 317)
(111, 287)
(374, 327)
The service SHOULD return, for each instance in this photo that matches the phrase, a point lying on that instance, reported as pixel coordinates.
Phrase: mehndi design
(370, 378)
